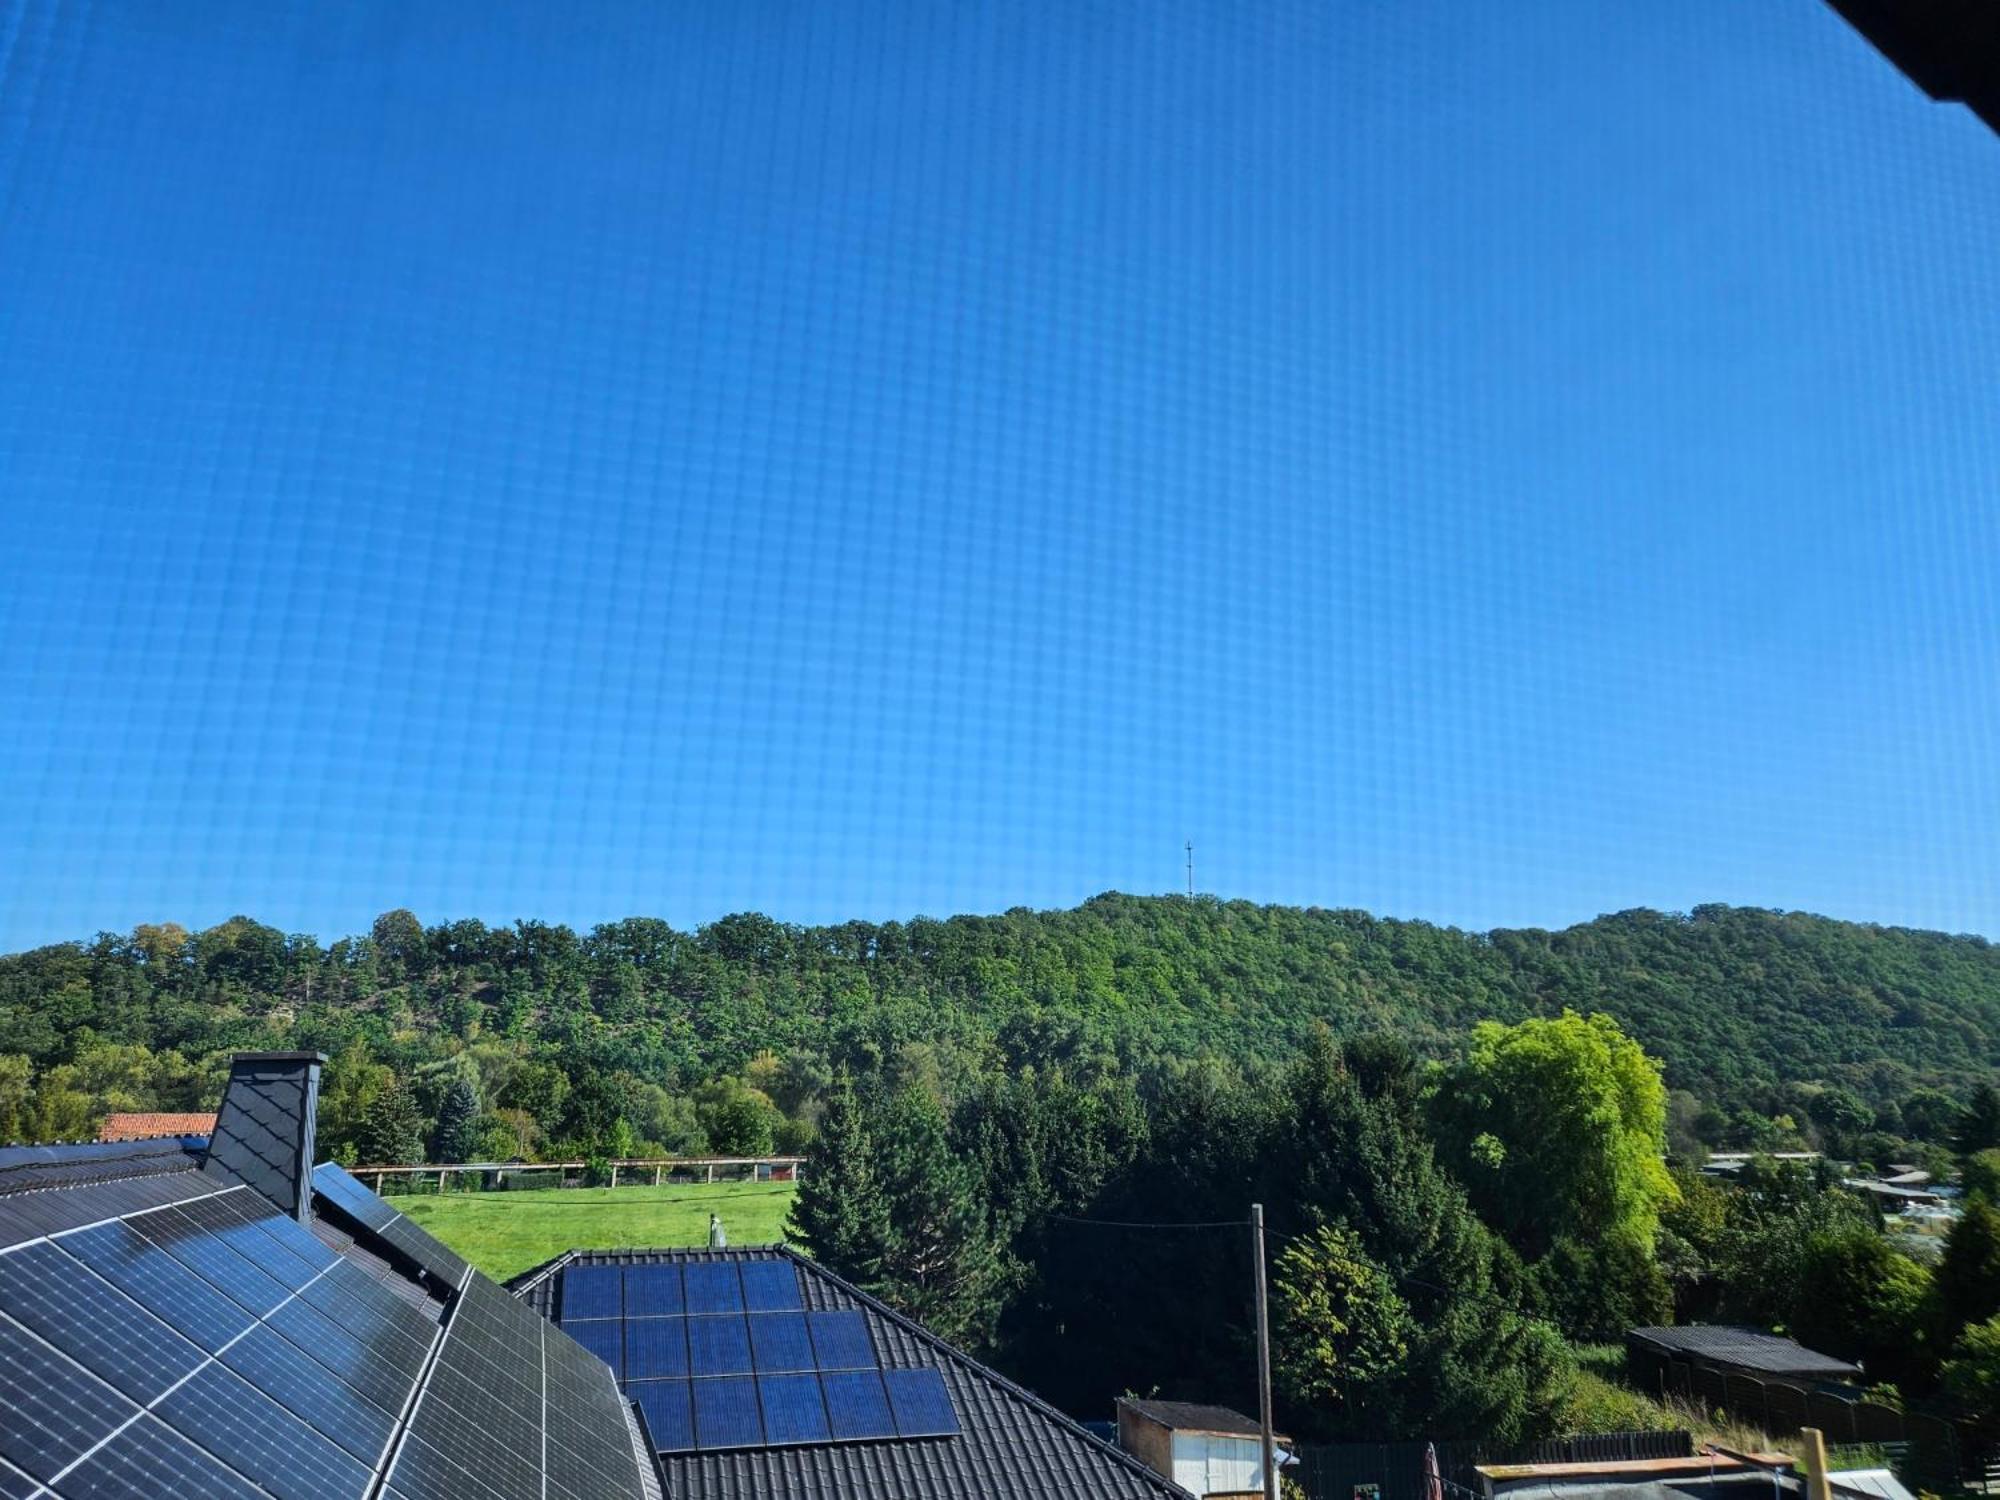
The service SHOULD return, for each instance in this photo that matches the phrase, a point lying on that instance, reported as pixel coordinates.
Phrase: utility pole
(1190, 854)
(1263, 1355)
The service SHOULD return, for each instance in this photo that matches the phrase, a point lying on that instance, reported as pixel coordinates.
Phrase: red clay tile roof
(144, 1126)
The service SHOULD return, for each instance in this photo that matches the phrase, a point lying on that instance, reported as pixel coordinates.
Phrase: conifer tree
(942, 1263)
(839, 1212)
(458, 1123)
(1979, 1126)
(392, 1134)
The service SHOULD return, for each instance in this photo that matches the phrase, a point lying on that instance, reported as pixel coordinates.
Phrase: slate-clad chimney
(264, 1131)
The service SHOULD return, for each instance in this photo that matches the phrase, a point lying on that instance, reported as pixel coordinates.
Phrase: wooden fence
(634, 1171)
(1926, 1451)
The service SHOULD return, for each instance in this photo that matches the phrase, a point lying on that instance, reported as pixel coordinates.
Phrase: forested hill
(1732, 999)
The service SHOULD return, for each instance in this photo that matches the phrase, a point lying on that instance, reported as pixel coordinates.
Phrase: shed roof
(1747, 1349)
(1193, 1416)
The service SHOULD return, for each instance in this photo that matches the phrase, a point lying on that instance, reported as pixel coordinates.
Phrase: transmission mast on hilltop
(1190, 855)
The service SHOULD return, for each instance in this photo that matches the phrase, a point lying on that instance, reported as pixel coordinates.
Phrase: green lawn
(503, 1234)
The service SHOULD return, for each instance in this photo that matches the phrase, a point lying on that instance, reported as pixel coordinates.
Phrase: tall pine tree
(458, 1123)
(392, 1133)
(943, 1264)
(840, 1213)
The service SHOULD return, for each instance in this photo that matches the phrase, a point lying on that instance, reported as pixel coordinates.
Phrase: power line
(1153, 1224)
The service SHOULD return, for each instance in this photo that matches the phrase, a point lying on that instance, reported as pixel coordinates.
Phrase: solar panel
(653, 1292)
(50, 1411)
(855, 1404)
(480, 1432)
(718, 1346)
(726, 1414)
(669, 1412)
(591, 1292)
(238, 1279)
(396, 1330)
(14, 1485)
(604, 1338)
(93, 1322)
(295, 1240)
(373, 1367)
(778, 1342)
(794, 1409)
(158, 1283)
(342, 1190)
(423, 1473)
(840, 1340)
(227, 1217)
(147, 1461)
(426, 1249)
(254, 1435)
(770, 1286)
(714, 1287)
(654, 1347)
(772, 1375)
(330, 1407)
(920, 1403)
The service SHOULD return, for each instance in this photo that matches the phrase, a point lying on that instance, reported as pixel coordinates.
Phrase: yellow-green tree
(1559, 1129)
(1343, 1333)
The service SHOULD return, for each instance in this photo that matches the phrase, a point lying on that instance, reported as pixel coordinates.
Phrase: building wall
(1147, 1441)
(1207, 1465)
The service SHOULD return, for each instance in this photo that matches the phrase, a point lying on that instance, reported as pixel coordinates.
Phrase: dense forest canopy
(1737, 1002)
(1463, 1141)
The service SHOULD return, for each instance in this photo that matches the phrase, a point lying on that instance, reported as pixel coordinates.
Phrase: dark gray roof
(263, 1135)
(1746, 1349)
(48, 1189)
(1755, 1485)
(1011, 1443)
(1192, 1416)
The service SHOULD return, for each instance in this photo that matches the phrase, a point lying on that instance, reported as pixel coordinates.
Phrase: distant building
(1209, 1451)
(1731, 1350)
(146, 1127)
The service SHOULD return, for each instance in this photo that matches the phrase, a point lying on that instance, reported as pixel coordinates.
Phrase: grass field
(503, 1234)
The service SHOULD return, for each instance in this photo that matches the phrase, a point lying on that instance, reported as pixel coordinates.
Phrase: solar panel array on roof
(171, 1338)
(210, 1347)
(365, 1208)
(725, 1354)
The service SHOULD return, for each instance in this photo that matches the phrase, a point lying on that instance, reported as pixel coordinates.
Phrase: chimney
(264, 1131)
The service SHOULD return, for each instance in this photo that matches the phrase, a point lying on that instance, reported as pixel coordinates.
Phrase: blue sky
(1493, 464)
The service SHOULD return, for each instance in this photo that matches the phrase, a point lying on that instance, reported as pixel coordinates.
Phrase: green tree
(17, 1083)
(738, 1120)
(540, 1088)
(1981, 1175)
(1968, 1273)
(1970, 1379)
(458, 1137)
(941, 1264)
(1861, 1299)
(392, 1132)
(1559, 1127)
(840, 1212)
(1979, 1126)
(1930, 1115)
(399, 940)
(1343, 1335)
